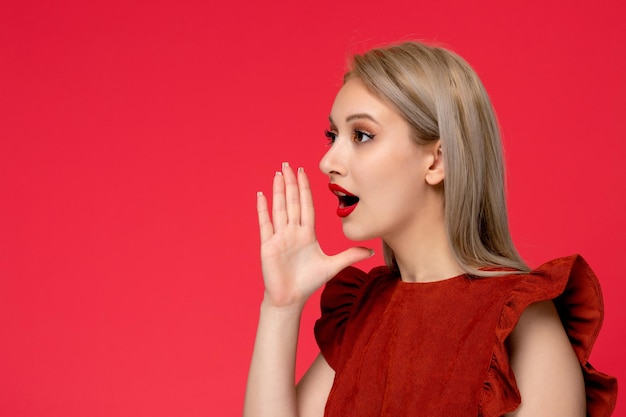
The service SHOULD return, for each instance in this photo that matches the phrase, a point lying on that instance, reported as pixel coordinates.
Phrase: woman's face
(373, 158)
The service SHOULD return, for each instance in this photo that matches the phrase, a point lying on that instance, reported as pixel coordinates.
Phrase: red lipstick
(347, 200)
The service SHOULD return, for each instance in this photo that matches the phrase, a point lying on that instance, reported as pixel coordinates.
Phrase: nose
(334, 160)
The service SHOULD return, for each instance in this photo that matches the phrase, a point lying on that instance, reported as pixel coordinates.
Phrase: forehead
(355, 98)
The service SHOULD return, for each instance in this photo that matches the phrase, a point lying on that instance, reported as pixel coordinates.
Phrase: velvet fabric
(438, 348)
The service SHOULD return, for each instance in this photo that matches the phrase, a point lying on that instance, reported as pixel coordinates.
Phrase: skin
(399, 185)
(398, 182)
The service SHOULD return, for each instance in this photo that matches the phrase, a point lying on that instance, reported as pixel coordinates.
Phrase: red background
(134, 135)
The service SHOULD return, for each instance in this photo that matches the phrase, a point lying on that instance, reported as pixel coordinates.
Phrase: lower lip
(345, 211)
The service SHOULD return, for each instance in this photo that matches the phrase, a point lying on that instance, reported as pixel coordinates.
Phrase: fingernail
(285, 164)
(300, 169)
(279, 173)
(259, 193)
(372, 253)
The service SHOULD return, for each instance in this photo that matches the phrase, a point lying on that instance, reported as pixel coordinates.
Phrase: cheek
(396, 174)
(404, 193)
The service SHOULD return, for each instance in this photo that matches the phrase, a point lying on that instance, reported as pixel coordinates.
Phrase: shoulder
(570, 283)
(549, 322)
(547, 372)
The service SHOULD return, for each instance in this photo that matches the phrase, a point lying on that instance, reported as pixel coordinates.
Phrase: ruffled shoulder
(575, 290)
(338, 300)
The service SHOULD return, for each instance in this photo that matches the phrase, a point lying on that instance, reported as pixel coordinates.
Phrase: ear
(436, 171)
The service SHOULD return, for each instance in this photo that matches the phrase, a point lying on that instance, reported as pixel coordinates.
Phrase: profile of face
(387, 184)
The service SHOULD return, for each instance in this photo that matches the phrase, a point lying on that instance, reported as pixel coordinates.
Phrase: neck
(423, 252)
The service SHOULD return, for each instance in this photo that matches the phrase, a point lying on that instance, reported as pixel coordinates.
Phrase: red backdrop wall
(133, 138)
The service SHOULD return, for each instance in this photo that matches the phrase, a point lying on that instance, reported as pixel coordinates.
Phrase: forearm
(271, 382)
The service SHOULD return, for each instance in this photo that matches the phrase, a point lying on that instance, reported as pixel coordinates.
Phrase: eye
(332, 136)
(361, 136)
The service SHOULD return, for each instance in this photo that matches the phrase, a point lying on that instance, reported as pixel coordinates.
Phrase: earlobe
(436, 172)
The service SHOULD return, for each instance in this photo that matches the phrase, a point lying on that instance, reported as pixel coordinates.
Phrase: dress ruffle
(337, 301)
(575, 290)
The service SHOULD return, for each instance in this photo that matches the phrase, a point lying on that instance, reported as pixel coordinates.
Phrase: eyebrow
(355, 117)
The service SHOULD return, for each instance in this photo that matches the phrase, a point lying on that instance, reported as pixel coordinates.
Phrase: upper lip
(346, 198)
(339, 191)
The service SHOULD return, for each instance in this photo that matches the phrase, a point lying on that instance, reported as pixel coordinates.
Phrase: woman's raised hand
(293, 264)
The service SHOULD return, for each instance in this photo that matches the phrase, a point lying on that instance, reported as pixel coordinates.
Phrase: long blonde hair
(441, 97)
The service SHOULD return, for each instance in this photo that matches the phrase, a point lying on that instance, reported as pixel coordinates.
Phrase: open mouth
(347, 200)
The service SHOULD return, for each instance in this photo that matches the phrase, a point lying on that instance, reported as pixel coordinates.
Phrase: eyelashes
(331, 136)
(358, 136)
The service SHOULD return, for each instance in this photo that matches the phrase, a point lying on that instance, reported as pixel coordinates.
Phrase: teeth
(340, 194)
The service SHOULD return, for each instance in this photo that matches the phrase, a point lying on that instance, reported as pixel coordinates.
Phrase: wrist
(268, 305)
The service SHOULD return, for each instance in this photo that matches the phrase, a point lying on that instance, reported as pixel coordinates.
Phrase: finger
(292, 195)
(279, 212)
(265, 225)
(307, 212)
(350, 256)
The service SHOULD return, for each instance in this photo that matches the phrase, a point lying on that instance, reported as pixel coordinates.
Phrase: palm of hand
(293, 263)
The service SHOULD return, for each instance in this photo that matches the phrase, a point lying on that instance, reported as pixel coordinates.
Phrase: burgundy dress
(438, 349)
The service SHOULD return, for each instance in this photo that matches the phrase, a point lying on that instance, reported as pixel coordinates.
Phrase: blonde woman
(455, 324)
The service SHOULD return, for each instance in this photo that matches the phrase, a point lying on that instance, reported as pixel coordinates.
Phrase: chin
(356, 233)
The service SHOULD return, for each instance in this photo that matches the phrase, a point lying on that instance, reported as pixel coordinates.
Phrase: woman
(455, 324)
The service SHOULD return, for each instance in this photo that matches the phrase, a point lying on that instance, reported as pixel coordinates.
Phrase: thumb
(350, 256)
